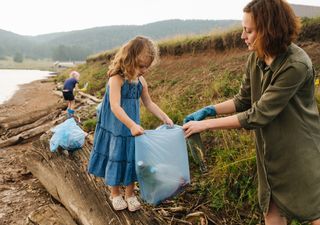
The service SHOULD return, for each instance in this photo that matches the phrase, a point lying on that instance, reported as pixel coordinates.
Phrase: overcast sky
(33, 17)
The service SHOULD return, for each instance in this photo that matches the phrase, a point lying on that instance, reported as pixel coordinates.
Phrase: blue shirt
(70, 83)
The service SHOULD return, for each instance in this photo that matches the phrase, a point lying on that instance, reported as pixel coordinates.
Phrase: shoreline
(20, 192)
(20, 89)
(13, 80)
(30, 97)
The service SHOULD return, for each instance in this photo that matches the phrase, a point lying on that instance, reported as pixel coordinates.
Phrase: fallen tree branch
(13, 122)
(90, 97)
(18, 130)
(29, 133)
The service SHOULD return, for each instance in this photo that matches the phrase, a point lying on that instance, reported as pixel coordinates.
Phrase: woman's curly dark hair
(276, 24)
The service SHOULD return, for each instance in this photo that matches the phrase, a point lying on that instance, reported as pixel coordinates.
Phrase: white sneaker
(118, 203)
(133, 203)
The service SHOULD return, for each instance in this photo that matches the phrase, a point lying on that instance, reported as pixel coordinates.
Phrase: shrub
(89, 125)
(18, 57)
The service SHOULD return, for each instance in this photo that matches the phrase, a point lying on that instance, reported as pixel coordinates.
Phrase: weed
(89, 125)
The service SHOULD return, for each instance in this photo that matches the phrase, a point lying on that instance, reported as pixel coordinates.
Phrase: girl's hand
(168, 121)
(193, 127)
(136, 130)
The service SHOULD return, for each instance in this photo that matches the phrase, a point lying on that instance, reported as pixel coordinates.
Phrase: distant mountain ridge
(306, 10)
(102, 38)
(78, 44)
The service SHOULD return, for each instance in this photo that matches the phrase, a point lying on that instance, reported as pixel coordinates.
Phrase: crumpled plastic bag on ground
(67, 135)
(161, 163)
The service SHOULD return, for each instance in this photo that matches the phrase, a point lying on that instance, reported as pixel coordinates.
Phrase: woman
(277, 100)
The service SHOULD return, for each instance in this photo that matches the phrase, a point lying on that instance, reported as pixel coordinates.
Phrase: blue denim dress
(113, 154)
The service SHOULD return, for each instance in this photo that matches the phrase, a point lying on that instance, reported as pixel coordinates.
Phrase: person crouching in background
(67, 91)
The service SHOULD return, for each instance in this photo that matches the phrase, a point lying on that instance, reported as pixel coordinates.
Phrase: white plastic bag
(161, 163)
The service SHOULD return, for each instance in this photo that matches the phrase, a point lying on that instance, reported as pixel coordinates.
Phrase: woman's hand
(136, 130)
(194, 127)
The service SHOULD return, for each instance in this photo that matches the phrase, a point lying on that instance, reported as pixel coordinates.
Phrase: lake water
(11, 79)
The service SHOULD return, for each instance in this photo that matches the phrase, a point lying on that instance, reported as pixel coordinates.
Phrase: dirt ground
(20, 192)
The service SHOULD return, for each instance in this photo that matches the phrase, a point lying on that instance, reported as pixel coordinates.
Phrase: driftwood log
(85, 197)
(81, 94)
(21, 120)
(50, 215)
(29, 134)
(96, 100)
(15, 131)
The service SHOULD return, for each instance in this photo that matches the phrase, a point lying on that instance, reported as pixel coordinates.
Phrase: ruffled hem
(114, 173)
(113, 158)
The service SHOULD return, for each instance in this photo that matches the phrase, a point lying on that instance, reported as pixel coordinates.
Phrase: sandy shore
(20, 192)
(30, 97)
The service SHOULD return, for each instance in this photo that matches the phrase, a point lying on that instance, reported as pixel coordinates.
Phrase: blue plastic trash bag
(68, 135)
(161, 163)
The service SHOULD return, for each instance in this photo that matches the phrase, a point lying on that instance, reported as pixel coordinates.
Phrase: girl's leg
(274, 217)
(129, 190)
(315, 222)
(132, 201)
(116, 198)
(115, 191)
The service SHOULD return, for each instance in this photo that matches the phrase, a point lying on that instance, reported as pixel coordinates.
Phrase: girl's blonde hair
(126, 60)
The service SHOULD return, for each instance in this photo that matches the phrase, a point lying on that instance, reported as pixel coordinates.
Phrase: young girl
(67, 91)
(113, 151)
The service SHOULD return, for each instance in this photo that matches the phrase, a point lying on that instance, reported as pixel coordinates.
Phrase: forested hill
(306, 10)
(77, 45)
(102, 38)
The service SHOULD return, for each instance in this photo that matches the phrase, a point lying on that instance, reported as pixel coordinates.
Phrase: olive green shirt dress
(278, 102)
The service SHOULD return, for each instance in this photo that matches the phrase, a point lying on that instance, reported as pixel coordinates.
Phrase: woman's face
(249, 33)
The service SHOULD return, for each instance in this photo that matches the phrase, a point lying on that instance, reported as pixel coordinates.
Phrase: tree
(18, 57)
(60, 53)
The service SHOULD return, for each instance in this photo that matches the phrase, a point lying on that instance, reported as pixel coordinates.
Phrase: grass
(89, 125)
(43, 64)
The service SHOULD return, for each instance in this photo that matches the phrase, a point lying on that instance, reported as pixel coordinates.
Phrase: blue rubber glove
(201, 114)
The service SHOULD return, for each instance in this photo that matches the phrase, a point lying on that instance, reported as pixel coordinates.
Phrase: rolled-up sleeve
(282, 88)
